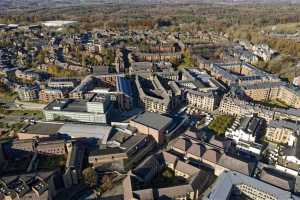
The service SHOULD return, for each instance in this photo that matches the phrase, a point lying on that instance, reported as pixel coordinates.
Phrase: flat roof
(106, 151)
(43, 128)
(86, 130)
(131, 141)
(69, 105)
(153, 120)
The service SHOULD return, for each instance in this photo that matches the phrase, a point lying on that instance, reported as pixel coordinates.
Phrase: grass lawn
(28, 113)
(7, 96)
(276, 103)
(221, 123)
(289, 165)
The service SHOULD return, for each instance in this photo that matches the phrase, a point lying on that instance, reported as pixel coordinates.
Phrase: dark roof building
(234, 185)
(153, 120)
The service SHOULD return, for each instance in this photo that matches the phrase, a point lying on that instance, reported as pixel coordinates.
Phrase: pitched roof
(186, 168)
(278, 178)
(174, 192)
(182, 144)
(196, 150)
(225, 182)
(245, 167)
(169, 158)
(143, 169)
(212, 155)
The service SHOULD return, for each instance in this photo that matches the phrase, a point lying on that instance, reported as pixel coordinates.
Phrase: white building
(249, 130)
(95, 110)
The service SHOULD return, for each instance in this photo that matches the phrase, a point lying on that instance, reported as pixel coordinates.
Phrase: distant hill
(11, 4)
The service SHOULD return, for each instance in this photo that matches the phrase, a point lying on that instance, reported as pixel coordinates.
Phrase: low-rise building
(278, 178)
(125, 98)
(201, 90)
(125, 151)
(155, 57)
(39, 185)
(196, 180)
(28, 93)
(44, 146)
(44, 129)
(282, 132)
(62, 82)
(49, 95)
(157, 94)
(96, 109)
(212, 156)
(28, 75)
(74, 164)
(232, 184)
(152, 124)
(250, 130)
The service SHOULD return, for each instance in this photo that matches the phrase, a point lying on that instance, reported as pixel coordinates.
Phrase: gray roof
(182, 144)
(278, 178)
(245, 167)
(196, 149)
(75, 157)
(106, 151)
(133, 140)
(153, 120)
(226, 181)
(69, 105)
(43, 128)
(86, 130)
(284, 124)
(294, 150)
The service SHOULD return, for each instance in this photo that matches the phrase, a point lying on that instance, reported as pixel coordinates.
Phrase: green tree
(106, 183)
(90, 177)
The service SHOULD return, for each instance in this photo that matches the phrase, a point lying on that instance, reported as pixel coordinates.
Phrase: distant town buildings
(126, 104)
(28, 93)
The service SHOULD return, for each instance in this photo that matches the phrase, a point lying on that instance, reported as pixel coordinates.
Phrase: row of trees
(90, 178)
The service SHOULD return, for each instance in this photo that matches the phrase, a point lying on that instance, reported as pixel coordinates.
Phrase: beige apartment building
(48, 95)
(232, 105)
(273, 91)
(290, 96)
(157, 97)
(202, 100)
(282, 132)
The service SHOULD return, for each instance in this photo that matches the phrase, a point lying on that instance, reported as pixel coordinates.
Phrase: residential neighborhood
(144, 114)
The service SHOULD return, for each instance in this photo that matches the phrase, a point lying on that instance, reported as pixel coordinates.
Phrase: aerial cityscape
(150, 100)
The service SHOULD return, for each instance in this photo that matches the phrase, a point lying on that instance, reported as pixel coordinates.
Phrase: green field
(276, 103)
(220, 123)
(27, 113)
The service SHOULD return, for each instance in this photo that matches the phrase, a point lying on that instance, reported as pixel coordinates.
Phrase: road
(28, 105)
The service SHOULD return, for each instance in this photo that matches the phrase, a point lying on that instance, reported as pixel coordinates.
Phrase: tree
(90, 177)
(106, 183)
(168, 173)
(187, 59)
